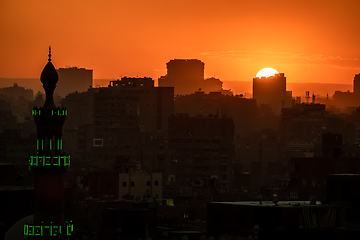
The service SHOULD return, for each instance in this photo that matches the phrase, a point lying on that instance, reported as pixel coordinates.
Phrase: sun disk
(266, 72)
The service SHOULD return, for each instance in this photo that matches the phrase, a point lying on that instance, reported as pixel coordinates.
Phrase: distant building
(356, 85)
(348, 99)
(129, 115)
(185, 75)
(17, 92)
(212, 85)
(243, 111)
(73, 79)
(140, 184)
(131, 104)
(272, 91)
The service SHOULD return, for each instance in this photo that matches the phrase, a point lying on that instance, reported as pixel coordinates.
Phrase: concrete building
(129, 115)
(132, 103)
(73, 79)
(202, 149)
(243, 111)
(140, 184)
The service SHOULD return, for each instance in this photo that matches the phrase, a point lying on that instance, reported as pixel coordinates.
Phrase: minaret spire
(49, 54)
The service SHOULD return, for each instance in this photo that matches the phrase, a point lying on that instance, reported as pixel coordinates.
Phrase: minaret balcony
(49, 112)
(49, 230)
(43, 162)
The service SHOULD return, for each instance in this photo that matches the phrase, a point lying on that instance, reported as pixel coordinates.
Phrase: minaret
(49, 165)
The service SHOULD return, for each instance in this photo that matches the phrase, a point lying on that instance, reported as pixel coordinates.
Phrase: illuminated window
(48, 229)
(59, 144)
(43, 161)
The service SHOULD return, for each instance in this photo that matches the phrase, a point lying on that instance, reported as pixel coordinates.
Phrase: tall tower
(356, 84)
(49, 165)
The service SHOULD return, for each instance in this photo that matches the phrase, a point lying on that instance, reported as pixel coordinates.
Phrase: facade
(73, 79)
(129, 115)
(132, 103)
(243, 111)
(202, 150)
(49, 165)
(140, 184)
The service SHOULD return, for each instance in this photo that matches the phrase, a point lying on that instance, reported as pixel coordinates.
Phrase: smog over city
(179, 120)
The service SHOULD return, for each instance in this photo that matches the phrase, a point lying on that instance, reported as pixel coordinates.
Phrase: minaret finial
(49, 54)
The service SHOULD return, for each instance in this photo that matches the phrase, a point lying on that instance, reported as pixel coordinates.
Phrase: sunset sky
(309, 41)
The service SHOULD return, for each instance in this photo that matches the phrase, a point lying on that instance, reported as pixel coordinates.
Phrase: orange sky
(310, 41)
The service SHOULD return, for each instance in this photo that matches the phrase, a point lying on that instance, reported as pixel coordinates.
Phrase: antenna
(307, 96)
(49, 54)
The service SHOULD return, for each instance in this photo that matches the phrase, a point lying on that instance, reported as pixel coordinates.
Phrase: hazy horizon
(238, 87)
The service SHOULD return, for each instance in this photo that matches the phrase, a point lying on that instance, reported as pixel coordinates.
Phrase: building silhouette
(128, 115)
(271, 91)
(348, 99)
(73, 79)
(49, 165)
(185, 75)
(356, 84)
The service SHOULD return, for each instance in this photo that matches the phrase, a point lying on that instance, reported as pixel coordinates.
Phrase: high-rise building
(357, 84)
(49, 165)
(185, 75)
(126, 113)
(271, 91)
(202, 149)
(73, 79)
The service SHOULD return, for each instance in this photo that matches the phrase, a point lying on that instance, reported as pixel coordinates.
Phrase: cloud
(287, 58)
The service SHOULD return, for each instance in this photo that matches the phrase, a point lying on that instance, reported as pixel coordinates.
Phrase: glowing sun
(266, 72)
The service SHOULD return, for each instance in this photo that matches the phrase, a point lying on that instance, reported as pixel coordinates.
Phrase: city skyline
(309, 42)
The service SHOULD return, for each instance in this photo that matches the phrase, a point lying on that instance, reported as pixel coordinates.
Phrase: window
(132, 183)
(148, 183)
(156, 183)
(294, 195)
(124, 184)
